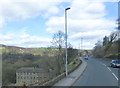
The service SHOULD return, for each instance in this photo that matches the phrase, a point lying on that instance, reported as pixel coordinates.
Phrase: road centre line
(115, 76)
(104, 64)
(111, 71)
(108, 68)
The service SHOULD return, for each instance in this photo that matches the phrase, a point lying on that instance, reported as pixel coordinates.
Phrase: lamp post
(66, 39)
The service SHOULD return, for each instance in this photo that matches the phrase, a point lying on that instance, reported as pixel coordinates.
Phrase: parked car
(115, 63)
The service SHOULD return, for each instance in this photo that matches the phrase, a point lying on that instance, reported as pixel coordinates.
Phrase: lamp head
(67, 8)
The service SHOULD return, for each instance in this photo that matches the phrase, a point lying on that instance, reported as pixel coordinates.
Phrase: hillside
(112, 51)
(14, 57)
(108, 51)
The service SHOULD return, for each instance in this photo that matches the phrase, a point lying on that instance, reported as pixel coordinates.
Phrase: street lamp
(66, 38)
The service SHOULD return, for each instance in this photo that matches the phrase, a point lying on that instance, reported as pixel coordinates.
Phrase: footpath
(72, 77)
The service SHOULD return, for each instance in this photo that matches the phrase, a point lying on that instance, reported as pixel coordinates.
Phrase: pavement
(72, 77)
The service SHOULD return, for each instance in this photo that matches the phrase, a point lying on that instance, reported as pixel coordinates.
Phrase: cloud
(106, 0)
(24, 40)
(54, 24)
(12, 9)
(24, 9)
(86, 19)
(81, 17)
(88, 35)
(1, 23)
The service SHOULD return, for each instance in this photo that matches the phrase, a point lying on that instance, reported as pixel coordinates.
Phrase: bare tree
(97, 52)
(57, 43)
(112, 37)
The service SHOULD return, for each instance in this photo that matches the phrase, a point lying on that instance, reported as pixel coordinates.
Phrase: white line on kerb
(115, 76)
(108, 68)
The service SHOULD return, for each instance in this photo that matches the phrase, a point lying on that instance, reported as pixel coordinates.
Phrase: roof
(30, 70)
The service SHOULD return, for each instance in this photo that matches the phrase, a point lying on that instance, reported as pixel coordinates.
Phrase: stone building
(30, 75)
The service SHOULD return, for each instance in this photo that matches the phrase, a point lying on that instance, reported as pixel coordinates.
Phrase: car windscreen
(116, 61)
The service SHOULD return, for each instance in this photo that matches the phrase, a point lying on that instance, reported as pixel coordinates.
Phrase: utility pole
(81, 46)
(78, 50)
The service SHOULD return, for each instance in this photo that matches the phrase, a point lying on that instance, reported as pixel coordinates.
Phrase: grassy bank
(71, 67)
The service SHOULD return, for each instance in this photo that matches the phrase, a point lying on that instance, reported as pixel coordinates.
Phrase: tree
(70, 53)
(58, 42)
(98, 52)
(112, 37)
(105, 40)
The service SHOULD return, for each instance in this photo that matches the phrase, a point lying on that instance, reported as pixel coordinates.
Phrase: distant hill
(2, 45)
(15, 52)
(12, 49)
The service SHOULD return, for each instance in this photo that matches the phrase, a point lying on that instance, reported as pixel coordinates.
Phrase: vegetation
(57, 42)
(73, 64)
(109, 47)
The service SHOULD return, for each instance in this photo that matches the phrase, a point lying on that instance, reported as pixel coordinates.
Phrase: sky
(32, 23)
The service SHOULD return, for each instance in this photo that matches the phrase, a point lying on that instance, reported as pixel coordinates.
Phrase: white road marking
(115, 76)
(108, 68)
(104, 64)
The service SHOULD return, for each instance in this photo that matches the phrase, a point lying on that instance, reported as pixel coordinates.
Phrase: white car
(115, 63)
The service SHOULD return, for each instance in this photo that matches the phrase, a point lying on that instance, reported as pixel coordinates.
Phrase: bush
(74, 62)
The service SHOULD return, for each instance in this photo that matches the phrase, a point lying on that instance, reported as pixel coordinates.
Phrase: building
(30, 75)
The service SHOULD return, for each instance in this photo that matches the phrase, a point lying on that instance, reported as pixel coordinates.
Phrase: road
(98, 73)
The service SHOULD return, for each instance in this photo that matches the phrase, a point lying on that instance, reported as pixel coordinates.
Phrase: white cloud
(86, 19)
(1, 23)
(90, 35)
(12, 9)
(24, 9)
(54, 10)
(55, 24)
(24, 39)
(106, 0)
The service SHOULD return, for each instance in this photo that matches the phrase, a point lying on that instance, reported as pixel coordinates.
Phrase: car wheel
(112, 66)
